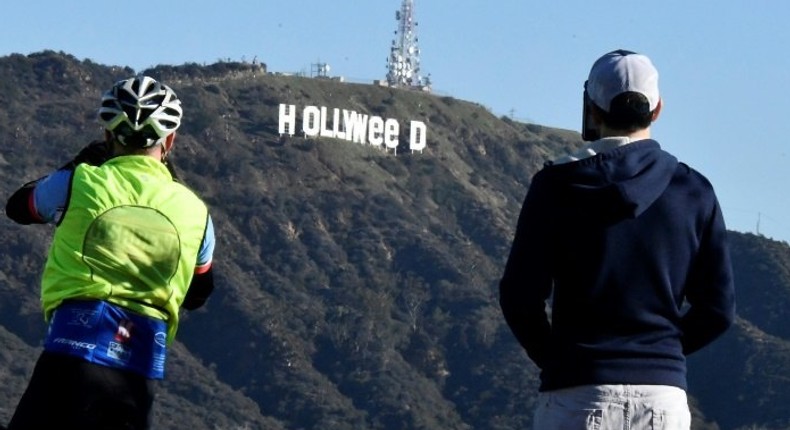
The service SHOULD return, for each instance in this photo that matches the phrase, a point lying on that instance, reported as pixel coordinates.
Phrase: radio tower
(403, 64)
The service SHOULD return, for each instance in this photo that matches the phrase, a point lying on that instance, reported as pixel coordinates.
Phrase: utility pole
(759, 215)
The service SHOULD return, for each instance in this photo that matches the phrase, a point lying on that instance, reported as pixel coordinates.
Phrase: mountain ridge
(356, 287)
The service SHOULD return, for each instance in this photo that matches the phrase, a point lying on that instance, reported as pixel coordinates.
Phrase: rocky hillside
(356, 283)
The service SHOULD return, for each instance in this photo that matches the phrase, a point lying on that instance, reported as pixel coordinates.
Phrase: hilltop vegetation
(356, 288)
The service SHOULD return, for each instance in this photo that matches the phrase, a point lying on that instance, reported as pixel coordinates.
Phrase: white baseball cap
(622, 71)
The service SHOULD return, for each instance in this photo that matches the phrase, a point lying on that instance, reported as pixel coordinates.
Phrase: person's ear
(167, 146)
(169, 141)
(657, 110)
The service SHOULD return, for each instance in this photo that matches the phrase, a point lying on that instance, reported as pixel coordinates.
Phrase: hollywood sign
(319, 121)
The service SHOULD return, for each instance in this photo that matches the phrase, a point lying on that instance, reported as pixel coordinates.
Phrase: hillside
(356, 287)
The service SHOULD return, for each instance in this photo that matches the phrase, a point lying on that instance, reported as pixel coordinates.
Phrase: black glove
(18, 206)
(95, 154)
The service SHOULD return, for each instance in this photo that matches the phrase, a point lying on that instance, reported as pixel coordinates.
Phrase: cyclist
(131, 247)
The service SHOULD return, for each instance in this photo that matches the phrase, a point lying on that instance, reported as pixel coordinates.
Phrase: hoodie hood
(618, 183)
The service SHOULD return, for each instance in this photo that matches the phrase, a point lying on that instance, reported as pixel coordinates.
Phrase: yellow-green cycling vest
(130, 235)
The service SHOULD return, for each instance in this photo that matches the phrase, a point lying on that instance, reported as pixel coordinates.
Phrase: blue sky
(723, 64)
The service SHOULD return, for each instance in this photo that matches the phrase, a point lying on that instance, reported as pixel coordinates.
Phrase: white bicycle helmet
(140, 112)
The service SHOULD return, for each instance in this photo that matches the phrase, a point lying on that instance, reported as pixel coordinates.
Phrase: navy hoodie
(629, 246)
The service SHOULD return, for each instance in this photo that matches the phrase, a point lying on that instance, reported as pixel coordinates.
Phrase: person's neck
(153, 152)
(633, 136)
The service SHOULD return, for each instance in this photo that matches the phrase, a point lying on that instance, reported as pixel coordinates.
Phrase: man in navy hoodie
(627, 246)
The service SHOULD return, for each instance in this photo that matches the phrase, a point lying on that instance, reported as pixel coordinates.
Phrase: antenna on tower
(403, 63)
(319, 70)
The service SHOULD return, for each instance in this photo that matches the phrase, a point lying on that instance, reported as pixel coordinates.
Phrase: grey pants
(613, 407)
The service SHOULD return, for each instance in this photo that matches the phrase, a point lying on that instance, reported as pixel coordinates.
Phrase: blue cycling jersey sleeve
(206, 252)
(50, 195)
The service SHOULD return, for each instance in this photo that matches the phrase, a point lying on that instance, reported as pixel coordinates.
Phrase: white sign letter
(391, 131)
(375, 128)
(356, 125)
(418, 134)
(337, 126)
(325, 132)
(287, 119)
(311, 121)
